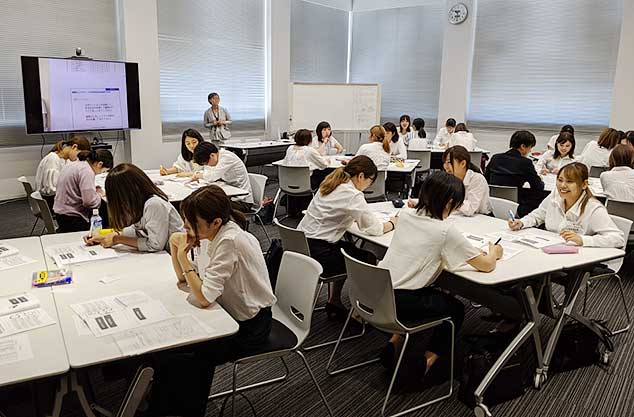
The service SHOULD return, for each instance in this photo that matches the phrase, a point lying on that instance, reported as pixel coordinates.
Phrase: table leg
(60, 393)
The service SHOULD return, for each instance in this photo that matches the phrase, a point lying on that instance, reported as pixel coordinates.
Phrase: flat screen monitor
(78, 94)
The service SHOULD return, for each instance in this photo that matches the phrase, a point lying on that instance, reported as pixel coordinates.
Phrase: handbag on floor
(511, 382)
(578, 346)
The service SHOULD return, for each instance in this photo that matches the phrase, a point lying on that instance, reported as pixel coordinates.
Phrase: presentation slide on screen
(83, 95)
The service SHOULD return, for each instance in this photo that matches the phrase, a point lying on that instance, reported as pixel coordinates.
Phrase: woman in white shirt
(378, 149)
(302, 154)
(552, 161)
(423, 244)
(51, 165)
(236, 278)
(139, 212)
(572, 211)
(397, 145)
(335, 207)
(444, 134)
(461, 136)
(224, 165)
(457, 162)
(184, 166)
(217, 119)
(325, 142)
(597, 152)
(405, 128)
(629, 138)
(417, 139)
(618, 182)
(551, 142)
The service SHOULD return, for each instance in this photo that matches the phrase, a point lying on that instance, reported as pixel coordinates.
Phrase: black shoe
(492, 317)
(336, 312)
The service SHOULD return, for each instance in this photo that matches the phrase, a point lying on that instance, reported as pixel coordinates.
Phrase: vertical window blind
(401, 49)
(319, 43)
(545, 61)
(211, 46)
(45, 28)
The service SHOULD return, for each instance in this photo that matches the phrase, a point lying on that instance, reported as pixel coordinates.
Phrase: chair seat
(281, 338)
(413, 323)
(330, 278)
(601, 269)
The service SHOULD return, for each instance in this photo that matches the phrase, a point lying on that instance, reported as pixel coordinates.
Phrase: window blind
(401, 49)
(45, 28)
(211, 46)
(319, 43)
(545, 61)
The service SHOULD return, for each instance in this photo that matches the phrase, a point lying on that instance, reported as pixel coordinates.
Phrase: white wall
(336, 4)
(364, 5)
(622, 116)
(278, 65)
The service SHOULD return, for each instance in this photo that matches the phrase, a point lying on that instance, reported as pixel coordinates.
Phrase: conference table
(258, 152)
(406, 166)
(528, 273)
(65, 350)
(177, 188)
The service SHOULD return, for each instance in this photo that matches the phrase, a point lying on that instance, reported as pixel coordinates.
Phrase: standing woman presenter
(217, 119)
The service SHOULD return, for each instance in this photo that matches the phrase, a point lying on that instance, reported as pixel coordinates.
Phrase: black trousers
(183, 377)
(69, 224)
(331, 259)
(430, 303)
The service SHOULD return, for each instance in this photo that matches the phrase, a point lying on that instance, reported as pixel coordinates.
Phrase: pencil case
(559, 248)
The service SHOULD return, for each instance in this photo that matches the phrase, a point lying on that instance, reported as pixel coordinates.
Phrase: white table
(47, 344)
(529, 264)
(409, 165)
(148, 272)
(175, 187)
(255, 153)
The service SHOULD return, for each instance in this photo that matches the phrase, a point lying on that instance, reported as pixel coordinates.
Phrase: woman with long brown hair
(378, 148)
(334, 208)
(618, 182)
(135, 202)
(572, 211)
(51, 165)
(597, 152)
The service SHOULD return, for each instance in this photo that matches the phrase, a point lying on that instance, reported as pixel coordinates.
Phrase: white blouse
(398, 149)
(477, 199)
(160, 219)
(421, 248)
(442, 137)
(548, 162)
(375, 152)
(47, 173)
(618, 183)
(236, 276)
(595, 226)
(329, 216)
(329, 149)
(231, 170)
(418, 144)
(465, 139)
(594, 155)
(182, 165)
(302, 156)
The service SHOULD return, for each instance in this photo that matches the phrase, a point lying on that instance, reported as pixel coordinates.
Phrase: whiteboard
(344, 106)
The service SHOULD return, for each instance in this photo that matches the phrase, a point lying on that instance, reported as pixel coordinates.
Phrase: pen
(512, 215)
(498, 241)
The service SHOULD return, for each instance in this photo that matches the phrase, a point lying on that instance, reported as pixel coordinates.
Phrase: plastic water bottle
(95, 223)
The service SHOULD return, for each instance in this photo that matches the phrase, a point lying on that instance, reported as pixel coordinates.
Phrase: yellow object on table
(106, 231)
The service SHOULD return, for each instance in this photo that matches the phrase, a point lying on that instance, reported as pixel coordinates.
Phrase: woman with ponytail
(77, 195)
(378, 149)
(51, 165)
(235, 277)
(334, 208)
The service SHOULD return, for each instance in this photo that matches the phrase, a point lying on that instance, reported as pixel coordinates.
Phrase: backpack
(273, 259)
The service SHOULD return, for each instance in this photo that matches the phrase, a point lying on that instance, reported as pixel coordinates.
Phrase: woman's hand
(196, 176)
(107, 240)
(162, 170)
(570, 236)
(544, 172)
(497, 250)
(515, 224)
(411, 203)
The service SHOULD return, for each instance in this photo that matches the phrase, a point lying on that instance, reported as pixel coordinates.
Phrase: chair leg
(393, 379)
(332, 342)
(258, 218)
(276, 201)
(37, 219)
(334, 351)
(255, 385)
(627, 311)
(234, 383)
(312, 376)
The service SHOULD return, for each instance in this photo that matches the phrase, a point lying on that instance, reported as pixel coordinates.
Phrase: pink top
(76, 191)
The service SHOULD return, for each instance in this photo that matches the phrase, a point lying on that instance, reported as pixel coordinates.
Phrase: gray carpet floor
(591, 391)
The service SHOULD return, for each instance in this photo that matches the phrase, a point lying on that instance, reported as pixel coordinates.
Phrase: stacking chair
(501, 208)
(595, 172)
(423, 166)
(35, 208)
(292, 314)
(372, 296)
(258, 184)
(376, 192)
(476, 158)
(294, 181)
(501, 191)
(611, 270)
(45, 212)
(623, 209)
(295, 241)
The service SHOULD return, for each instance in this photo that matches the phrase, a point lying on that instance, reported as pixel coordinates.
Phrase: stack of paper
(482, 243)
(532, 237)
(21, 313)
(15, 349)
(68, 254)
(114, 314)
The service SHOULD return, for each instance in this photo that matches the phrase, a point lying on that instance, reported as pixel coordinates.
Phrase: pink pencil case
(559, 248)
